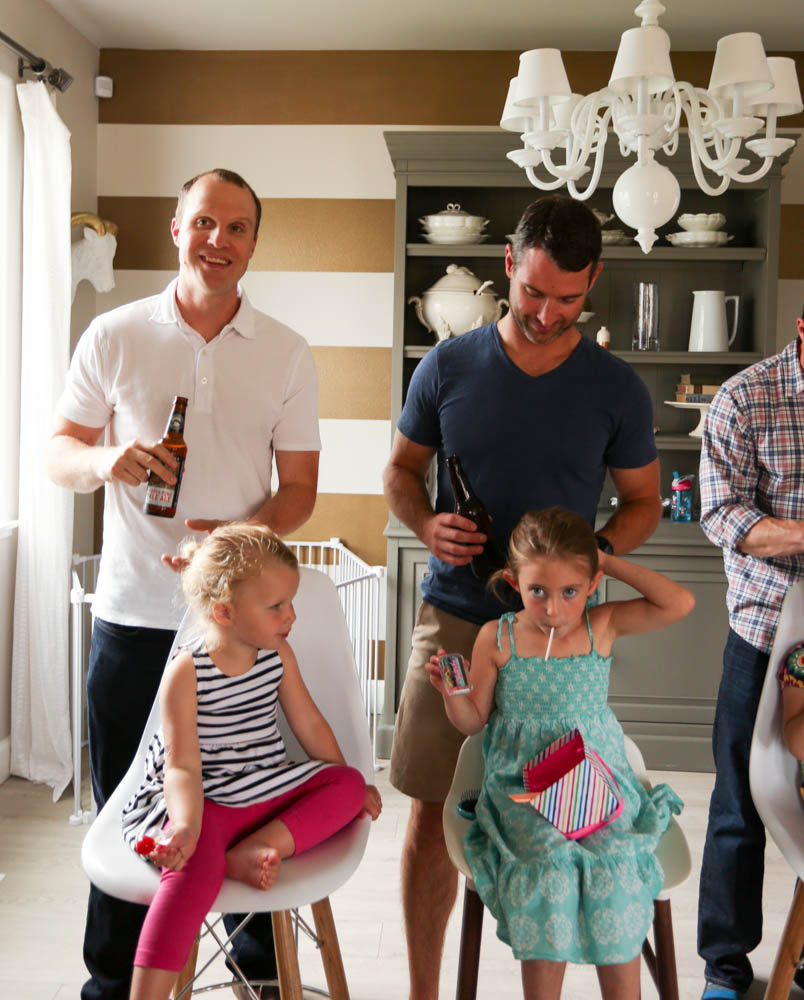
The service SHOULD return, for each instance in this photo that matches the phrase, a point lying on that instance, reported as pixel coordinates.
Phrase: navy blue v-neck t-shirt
(525, 442)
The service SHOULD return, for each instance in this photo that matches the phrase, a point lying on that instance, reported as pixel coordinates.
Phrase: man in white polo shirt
(253, 400)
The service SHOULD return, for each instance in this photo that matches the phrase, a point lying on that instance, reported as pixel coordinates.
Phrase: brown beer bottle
(467, 504)
(161, 497)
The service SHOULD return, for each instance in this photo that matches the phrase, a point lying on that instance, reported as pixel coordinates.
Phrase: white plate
(615, 238)
(703, 409)
(456, 239)
(702, 238)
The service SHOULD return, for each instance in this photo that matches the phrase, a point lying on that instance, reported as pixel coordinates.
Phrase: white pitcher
(708, 329)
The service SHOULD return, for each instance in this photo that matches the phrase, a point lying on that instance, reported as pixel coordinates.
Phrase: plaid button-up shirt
(752, 466)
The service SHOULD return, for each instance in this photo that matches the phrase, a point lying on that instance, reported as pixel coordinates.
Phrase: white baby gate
(359, 587)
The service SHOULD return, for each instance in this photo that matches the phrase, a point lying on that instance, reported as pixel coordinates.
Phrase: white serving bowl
(702, 222)
(453, 220)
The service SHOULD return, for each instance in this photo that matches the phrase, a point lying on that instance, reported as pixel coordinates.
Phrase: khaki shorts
(426, 744)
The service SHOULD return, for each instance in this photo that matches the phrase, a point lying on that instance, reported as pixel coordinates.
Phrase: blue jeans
(125, 668)
(733, 867)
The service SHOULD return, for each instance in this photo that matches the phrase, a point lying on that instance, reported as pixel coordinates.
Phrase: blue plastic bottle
(681, 497)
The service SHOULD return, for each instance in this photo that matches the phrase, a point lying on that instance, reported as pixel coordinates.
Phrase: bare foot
(257, 866)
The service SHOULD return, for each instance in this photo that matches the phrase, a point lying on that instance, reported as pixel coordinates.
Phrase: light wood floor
(43, 895)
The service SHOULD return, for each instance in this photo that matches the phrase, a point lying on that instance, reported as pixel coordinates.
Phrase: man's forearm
(632, 523)
(773, 536)
(407, 497)
(288, 509)
(72, 464)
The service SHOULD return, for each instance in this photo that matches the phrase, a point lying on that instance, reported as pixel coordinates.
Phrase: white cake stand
(702, 409)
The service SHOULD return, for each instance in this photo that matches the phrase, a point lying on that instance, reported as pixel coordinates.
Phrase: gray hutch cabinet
(663, 686)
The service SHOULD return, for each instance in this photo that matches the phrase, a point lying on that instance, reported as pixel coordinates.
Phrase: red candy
(146, 845)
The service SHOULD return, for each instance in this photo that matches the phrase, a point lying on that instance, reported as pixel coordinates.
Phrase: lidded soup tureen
(456, 303)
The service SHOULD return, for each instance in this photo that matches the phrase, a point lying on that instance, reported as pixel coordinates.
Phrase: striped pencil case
(571, 787)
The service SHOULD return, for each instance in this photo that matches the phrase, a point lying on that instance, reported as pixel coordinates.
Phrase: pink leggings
(312, 812)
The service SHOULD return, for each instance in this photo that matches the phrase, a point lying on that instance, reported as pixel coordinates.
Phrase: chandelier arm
(542, 185)
(727, 150)
(757, 175)
(703, 184)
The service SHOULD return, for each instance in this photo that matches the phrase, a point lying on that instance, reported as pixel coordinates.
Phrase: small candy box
(572, 787)
(454, 674)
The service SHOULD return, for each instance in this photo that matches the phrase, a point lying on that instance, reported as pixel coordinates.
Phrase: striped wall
(305, 129)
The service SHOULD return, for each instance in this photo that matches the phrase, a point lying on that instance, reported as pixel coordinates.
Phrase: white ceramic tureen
(456, 303)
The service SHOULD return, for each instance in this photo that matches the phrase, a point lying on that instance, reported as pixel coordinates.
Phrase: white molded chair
(672, 852)
(320, 640)
(774, 777)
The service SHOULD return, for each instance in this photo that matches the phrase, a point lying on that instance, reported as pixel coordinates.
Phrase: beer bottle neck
(459, 482)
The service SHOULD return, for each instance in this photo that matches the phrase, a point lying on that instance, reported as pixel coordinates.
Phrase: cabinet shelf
(495, 251)
(685, 359)
(677, 442)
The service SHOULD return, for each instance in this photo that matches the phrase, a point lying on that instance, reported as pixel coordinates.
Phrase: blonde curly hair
(229, 555)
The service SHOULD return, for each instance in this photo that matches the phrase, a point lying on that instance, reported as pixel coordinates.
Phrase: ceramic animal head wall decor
(93, 255)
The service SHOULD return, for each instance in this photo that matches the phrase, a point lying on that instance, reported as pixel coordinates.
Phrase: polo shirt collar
(792, 374)
(165, 310)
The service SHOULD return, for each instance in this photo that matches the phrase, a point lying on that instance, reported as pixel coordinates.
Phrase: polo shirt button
(204, 380)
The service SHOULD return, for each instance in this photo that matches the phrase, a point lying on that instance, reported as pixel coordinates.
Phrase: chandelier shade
(785, 96)
(643, 53)
(564, 135)
(740, 61)
(541, 74)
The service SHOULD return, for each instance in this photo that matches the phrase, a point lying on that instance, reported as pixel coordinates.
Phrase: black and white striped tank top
(243, 758)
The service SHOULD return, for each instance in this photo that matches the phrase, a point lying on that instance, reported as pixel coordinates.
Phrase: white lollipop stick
(549, 644)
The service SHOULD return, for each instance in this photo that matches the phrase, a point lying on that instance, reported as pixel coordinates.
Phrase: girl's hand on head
(373, 803)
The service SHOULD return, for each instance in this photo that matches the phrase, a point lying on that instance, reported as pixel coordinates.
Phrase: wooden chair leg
(469, 954)
(287, 958)
(186, 975)
(666, 973)
(789, 950)
(330, 950)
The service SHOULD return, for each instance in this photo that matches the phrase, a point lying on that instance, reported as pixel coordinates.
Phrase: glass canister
(646, 321)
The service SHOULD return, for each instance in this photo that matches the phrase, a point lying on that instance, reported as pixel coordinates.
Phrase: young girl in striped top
(537, 675)
(220, 797)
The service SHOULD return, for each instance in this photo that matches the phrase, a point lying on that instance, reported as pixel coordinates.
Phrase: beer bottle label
(158, 493)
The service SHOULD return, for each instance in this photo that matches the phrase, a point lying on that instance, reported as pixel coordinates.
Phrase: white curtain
(40, 707)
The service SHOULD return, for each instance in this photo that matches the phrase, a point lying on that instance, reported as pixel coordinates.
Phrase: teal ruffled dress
(588, 901)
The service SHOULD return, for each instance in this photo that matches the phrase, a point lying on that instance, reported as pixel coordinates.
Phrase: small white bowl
(702, 222)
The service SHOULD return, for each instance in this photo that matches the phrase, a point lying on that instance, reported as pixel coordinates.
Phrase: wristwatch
(604, 545)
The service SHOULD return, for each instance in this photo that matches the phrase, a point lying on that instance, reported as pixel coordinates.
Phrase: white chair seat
(774, 777)
(672, 852)
(320, 640)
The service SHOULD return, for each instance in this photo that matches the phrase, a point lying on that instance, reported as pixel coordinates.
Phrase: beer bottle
(161, 497)
(467, 504)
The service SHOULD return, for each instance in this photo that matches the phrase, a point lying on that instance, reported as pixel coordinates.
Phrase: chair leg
(287, 958)
(469, 954)
(788, 953)
(666, 973)
(185, 977)
(330, 950)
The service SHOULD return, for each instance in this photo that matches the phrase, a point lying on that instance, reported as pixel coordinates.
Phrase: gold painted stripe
(791, 226)
(354, 382)
(340, 87)
(357, 519)
(296, 234)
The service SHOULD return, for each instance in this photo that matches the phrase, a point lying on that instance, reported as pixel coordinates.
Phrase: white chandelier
(644, 103)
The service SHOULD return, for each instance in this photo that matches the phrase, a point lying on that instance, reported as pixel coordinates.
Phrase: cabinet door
(664, 684)
(412, 570)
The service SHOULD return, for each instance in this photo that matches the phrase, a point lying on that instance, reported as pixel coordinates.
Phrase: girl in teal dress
(537, 674)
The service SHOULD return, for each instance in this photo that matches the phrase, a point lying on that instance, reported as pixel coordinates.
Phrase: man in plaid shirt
(752, 506)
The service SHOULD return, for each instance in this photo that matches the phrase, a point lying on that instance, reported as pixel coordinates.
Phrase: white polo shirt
(252, 390)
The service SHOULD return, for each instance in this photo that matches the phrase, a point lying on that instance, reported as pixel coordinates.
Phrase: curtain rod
(58, 78)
